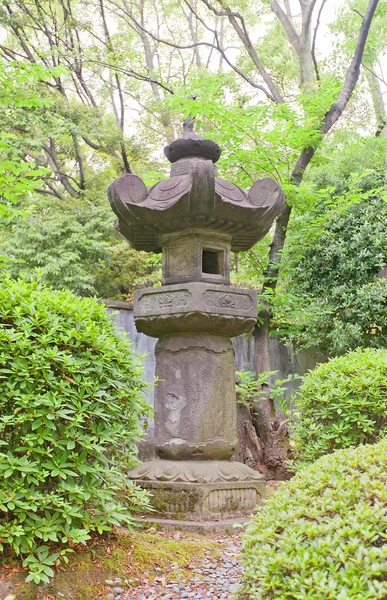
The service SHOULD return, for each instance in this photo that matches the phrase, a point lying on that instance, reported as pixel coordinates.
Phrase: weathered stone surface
(186, 471)
(195, 401)
(196, 307)
(209, 528)
(194, 197)
(192, 144)
(205, 490)
(196, 255)
(196, 218)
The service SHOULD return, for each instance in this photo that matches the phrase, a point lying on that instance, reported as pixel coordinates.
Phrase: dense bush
(74, 245)
(337, 302)
(342, 403)
(323, 535)
(70, 405)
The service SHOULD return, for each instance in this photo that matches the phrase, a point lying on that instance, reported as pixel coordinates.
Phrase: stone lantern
(195, 219)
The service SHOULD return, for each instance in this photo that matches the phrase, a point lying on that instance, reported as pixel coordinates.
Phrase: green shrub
(332, 298)
(323, 535)
(342, 403)
(70, 405)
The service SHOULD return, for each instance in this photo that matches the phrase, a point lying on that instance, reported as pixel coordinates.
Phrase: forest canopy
(93, 89)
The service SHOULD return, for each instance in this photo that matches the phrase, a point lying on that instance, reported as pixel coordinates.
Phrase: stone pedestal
(205, 490)
(195, 400)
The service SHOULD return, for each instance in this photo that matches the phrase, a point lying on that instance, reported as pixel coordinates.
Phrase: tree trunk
(250, 449)
(271, 430)
(378, 101)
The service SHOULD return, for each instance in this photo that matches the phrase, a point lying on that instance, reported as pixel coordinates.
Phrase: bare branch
(314, 41)
(193, 32)
(306, 59)
(357, 12)
(54, 193)
(79, 159)
(374, 74)
(239, 25)
(287, 24)
(130, 73)
(121, 118)
(377, 100)
(49, 148)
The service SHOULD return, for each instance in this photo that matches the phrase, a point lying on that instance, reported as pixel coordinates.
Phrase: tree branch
(331, 117)
(130, 73)
(239, 25)
(49, 148)
(79, 159)
(314, 41)
(287, 24)
(374, 74)
(306, 59)
(121, 117)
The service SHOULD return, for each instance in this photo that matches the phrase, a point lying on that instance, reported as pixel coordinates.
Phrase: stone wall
(283, 359)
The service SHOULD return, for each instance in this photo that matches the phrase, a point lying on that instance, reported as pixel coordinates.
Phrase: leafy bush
(70, 405)
(335, 301)
(74, 245)
(342, 403)
(252, 388)
(323, 535)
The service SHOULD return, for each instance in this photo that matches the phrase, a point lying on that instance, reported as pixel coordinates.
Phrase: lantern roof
(194, 197)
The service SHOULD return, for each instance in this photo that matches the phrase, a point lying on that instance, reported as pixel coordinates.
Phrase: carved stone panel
(179, 262)
(196, 307)
(230, 500)
(159, 301)
(227, 300)
(200, 472)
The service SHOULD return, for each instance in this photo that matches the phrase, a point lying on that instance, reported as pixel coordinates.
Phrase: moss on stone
(162, 499)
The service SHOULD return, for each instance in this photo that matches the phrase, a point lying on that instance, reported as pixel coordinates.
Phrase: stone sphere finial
(192, 145)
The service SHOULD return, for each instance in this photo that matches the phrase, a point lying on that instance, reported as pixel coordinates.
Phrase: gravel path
(212, 578)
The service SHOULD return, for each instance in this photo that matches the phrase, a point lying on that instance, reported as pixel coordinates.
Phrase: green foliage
(70, 407)
(260, 139)
(124, 270)
(252, 388)
(247, 268)
(322, 536)
(336, 301)
(341, 403)
(19, 101)
(75, 246)
(329, 295)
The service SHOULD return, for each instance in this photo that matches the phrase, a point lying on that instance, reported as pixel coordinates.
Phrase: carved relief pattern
(160, 300)
(227, 300)
(225, 501)
(178, 262)
(178, 449)
(229, 191)
(195, 472)
(182, 504)
(232, 500)
(170, 190)
(221, 300)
